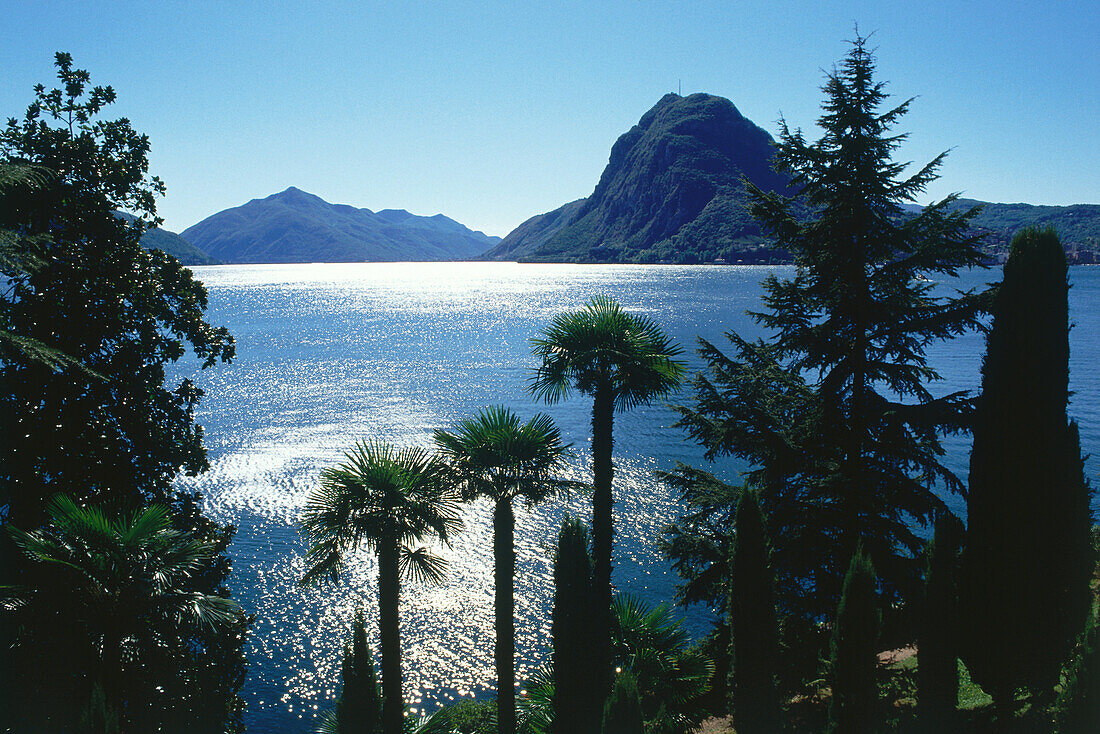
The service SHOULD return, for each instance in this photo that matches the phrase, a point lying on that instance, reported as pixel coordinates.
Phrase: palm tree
(622, 361)
(110, 599)
(386, 500)
(496, 456)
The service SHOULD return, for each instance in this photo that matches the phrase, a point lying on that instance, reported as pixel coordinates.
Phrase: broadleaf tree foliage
(90, 322)
(834, 412)
(103, 300)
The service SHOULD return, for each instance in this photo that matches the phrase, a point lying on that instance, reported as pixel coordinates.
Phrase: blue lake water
(330, 354)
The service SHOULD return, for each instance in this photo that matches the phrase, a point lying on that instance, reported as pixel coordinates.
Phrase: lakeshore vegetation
(839, 614)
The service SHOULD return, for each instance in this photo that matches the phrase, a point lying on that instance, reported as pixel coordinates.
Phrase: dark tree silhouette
(577, 699)
(835, 410)
(114, 609)
(500, 458)
(754, 645)
(854, 707)
(622, 361)
(386, 500)
(1028, 551)
(938, 639)
(622, 714)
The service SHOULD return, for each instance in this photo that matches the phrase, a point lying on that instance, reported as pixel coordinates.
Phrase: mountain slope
(294, 226)
(176, 246)
(171, 243)
(1078, 225)
(671, 191)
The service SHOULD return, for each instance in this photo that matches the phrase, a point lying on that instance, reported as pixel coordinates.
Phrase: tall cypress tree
(855, 460)
(578, 696)
(754, 645)
(359, 709)
(854, 707)
(938, 643)
(1029, 555)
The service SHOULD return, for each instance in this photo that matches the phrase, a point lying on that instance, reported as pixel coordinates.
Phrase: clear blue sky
(491, 112)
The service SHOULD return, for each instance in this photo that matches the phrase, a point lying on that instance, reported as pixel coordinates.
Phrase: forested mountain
(295, 226)
(672, 192)
(1078, 226)
(171, 243)
(176, 246)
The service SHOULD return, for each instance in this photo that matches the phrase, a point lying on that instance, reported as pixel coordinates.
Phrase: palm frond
(422, 566)
(602, 344)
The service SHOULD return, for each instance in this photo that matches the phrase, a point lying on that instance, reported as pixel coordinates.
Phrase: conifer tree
(1029, 552)
(938, 644)
(577, 694)
(854, 458)
(359, 710)
(622, 714)
(854, 707)
(754, 647)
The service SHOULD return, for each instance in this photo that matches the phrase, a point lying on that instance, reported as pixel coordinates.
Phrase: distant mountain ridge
(171, 243)
(672, 192)
(294, 226)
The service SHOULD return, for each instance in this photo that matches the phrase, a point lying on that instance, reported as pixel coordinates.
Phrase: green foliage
(85, 410)
(1078, 225)
(576, 697)
(496, 456)
(854, 707)
(386, 500)
(98, 717)
(359, 708)
(115, 603)
(699, 542)
(1029, 553)
(835, 412)
(1079, 702)
(671, 675)
(754, 643)
(473, 717)
(102, 299)
(622, 361)
(622, 713)
(938, 643)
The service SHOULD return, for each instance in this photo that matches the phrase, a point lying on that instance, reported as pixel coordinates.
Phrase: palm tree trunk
(389, 587)
(504, 550)
(603, 417)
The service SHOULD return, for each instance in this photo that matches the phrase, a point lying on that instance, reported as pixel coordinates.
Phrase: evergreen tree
(359, 708)
(938, 643)
(622, 713)
(1029, 552)
(854, 707)
(1079, 704)
(754, 648)
(577, 698)
(90, 320)
(840, 420)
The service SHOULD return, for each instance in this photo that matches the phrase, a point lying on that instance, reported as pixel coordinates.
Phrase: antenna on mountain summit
(679, 88)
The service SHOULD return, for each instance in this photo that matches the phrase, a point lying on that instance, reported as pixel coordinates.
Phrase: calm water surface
(330, 354)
